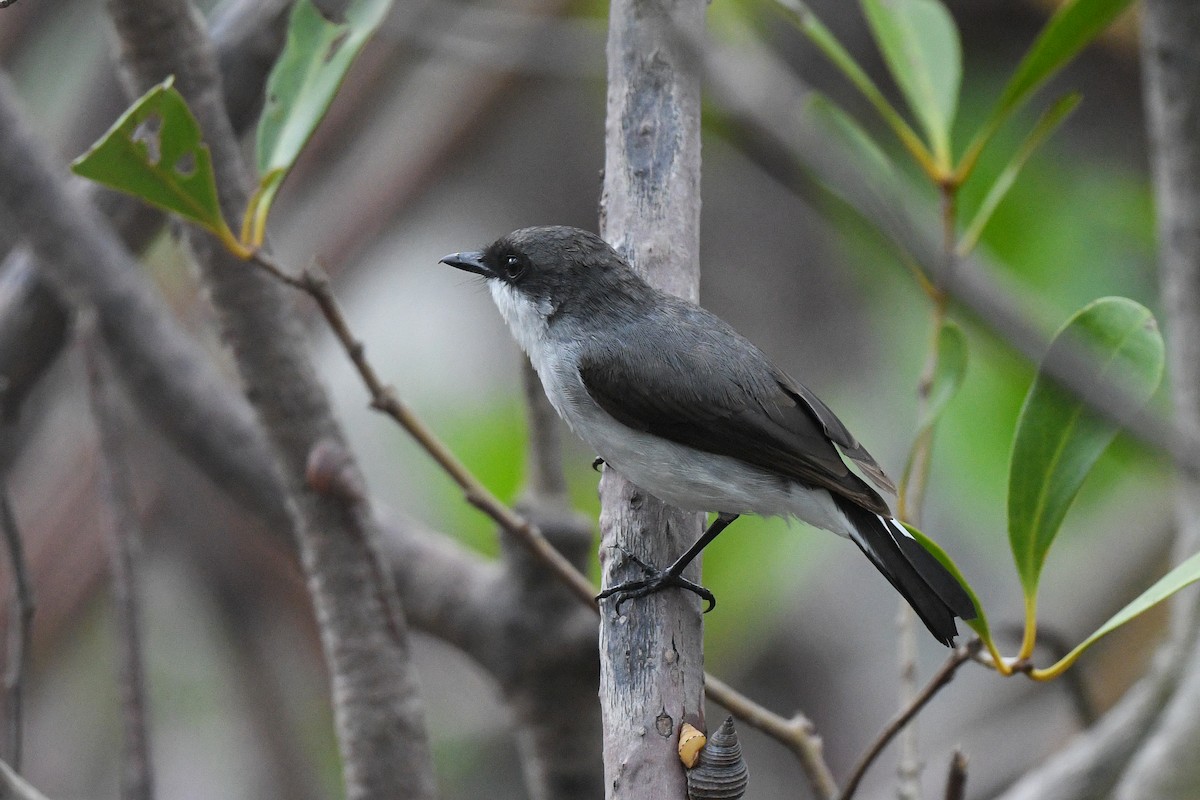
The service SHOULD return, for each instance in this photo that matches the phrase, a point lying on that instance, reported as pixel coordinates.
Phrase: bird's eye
(513, 267)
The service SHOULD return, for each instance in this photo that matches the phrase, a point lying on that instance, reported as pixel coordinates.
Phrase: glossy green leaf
(980, 623)
(921, 47)
(948, 374)
(1185, 574)
(1076, 23)
(1049, 121)
(823, 38)
(1059, 439)
(315, 60)
(155, 152)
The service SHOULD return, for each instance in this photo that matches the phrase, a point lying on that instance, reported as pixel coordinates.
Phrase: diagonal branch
(766, 106)
(377, 705)
(897, 723)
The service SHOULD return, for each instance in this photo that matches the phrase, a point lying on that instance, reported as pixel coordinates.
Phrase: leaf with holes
(318, 54)
(1059, 437)
(155, 152)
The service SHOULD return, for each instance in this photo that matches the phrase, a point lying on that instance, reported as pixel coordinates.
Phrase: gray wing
(701, 384)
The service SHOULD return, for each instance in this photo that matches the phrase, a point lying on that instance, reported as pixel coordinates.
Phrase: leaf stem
(1029, 639)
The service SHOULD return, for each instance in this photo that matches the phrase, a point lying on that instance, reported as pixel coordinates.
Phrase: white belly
(680, 475)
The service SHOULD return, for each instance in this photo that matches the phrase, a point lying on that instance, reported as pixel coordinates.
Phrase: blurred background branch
(464, 121)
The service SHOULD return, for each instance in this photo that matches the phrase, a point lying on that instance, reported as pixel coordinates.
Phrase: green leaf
(823, 38)
(847, 132)
(980, 623)
(315, 59)
(155, 152)
(1049, 121)
(1185, 574)
(1075, 24)
(1059, 438)
(947, 375)
(920, 44)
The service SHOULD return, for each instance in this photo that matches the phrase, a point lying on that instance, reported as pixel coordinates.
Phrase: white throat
(528, 320)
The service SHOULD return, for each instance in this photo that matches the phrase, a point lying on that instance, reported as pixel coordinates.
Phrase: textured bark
(377, 705)
(1170, 38)
(1166, 766)
(652, 663)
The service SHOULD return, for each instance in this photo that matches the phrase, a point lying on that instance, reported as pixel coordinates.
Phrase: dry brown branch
(942, 677)
(378, 709)
(385, 399)
(796, 733)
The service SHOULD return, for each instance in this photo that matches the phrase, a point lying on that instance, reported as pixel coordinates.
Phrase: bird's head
(550, 270)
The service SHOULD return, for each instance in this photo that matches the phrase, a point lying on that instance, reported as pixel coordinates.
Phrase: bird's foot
(655, 580)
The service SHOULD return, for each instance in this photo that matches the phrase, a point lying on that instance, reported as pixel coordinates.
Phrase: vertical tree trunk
(1166, 767)
(652, 663)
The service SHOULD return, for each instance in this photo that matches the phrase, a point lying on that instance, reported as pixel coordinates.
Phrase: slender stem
(385, 400)
(909, 768)
(943, 676)
(21, 607)
(137, 780)
(911, 494)
(1029, 639)
(795, 733)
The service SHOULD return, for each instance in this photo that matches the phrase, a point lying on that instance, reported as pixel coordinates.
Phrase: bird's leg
(658, 579)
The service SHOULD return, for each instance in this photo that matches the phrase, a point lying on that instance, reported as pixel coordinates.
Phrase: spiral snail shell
(720, 773)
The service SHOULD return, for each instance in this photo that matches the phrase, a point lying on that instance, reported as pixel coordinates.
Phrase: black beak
(469, 262)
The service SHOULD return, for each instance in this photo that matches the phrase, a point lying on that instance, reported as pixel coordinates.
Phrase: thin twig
(385, 399)
(913, 486)
(137, 774)
(21, 608)
(943, 676)
(956, 779)
(909, 769)
(796, 733)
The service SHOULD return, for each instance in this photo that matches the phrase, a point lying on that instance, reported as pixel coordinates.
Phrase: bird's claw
(655, 580)
(597, 463)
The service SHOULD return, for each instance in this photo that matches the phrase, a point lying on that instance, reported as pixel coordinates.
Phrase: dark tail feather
(927, 586)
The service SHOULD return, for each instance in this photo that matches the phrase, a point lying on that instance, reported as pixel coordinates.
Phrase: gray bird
(688, 410)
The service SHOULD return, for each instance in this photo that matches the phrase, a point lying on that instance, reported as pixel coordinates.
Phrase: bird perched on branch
(687, 409)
